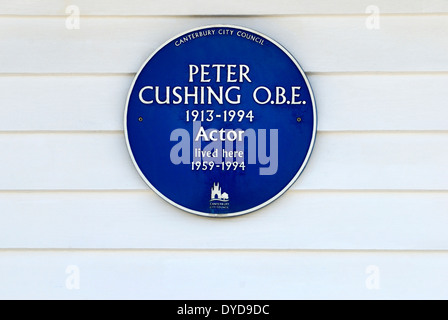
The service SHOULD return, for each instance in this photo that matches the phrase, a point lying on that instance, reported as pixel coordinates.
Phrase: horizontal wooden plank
(121, 45)
(222, 275)
(228, 7)
(63, 103)
(298, 220)
(345, 102)
(381, 102)
(370, 161)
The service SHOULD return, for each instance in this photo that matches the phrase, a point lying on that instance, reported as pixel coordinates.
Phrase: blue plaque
(220, 121)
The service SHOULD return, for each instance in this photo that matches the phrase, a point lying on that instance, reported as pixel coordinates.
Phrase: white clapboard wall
(366, 220)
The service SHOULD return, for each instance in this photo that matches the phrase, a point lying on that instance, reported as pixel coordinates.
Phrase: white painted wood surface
(311, 220)
(374, 193)
(218, 7)
(227, 275)
(122, 44)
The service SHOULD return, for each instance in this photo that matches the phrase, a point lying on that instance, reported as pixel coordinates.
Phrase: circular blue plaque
(220, 121)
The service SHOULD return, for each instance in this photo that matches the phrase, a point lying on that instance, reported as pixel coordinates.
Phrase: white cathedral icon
(217, 193)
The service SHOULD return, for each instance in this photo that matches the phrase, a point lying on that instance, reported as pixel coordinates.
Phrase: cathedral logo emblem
(217, 194)
(218, 198)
